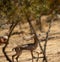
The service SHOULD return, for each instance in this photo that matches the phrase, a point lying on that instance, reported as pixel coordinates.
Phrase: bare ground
(53, 46)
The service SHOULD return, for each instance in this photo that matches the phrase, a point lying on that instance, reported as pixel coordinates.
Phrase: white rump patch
(6, 37)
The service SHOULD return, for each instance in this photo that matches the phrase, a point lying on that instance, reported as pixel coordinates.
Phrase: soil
(53, 46)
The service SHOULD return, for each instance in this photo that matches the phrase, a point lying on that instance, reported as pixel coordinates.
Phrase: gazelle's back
(27, 47)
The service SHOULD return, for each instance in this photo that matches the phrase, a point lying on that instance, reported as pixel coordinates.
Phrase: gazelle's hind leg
(17, 58)
(13, 57)
(18, 54)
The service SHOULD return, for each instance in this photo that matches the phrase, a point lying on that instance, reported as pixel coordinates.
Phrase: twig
(45, 59)
(35, 36)
(4, 48)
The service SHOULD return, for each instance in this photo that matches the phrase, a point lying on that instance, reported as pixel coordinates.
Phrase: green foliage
(15, 8)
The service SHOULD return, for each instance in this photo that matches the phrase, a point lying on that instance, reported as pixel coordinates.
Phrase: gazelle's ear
(6, 37)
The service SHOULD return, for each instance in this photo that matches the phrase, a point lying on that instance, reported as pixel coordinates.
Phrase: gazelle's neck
(35, 41)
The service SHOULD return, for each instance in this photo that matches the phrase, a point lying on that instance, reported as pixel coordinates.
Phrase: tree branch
(47, 34)
(4, 48)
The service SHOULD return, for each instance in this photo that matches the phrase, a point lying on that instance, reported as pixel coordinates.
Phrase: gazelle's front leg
(37, 57)
(32, 55)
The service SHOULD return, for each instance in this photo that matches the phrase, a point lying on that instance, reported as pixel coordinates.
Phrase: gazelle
(3, 39)
(30, 47)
